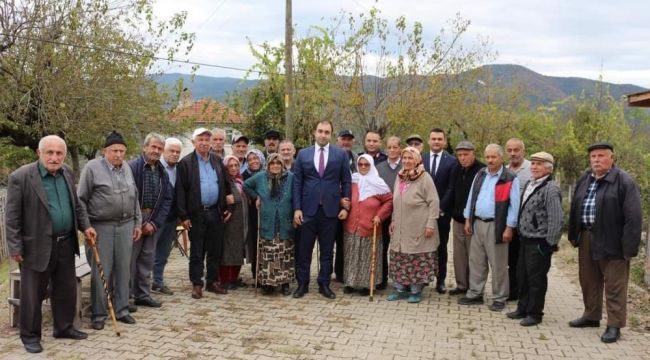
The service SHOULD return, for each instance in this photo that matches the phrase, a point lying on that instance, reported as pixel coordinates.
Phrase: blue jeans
(163, 249)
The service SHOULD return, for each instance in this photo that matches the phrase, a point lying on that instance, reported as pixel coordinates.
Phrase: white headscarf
(370, 184)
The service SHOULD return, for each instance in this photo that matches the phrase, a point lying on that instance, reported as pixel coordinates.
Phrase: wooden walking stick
(108, 293)
(373, 261)
(257, 249)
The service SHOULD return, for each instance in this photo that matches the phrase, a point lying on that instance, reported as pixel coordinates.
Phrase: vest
(501, 199)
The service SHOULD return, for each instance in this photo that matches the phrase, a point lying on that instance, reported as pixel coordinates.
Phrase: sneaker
(397, 295)
(414, 298)
(162, 290)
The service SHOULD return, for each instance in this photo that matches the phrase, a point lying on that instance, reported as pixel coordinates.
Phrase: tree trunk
(74, 156)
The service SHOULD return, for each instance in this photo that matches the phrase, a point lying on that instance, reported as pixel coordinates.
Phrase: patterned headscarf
(417, 171)
(276, 181)
(238, 179)
(260, 156)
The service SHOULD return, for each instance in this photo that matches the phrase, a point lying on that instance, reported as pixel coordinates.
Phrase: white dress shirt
(326, 153)
(433, 166)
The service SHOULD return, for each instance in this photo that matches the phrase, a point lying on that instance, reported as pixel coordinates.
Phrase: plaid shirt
(151, 187)
(589, 203)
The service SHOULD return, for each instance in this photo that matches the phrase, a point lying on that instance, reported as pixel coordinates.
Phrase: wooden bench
(82, 269)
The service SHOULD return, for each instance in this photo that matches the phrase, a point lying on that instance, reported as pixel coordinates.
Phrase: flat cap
(200, 131)
(600, 145)
(346, 132)
(272, 134)
(414, 137)
(238, 138)
(542, 156)
(465, 145)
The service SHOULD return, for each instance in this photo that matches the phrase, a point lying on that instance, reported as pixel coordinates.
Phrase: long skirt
(357, 260)
(276, 262)
(407, 269)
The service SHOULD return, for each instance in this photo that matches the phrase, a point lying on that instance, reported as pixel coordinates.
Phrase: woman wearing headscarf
(414, 234)
(371, 203)
(235, 230)
(255, 163)
(272, 190)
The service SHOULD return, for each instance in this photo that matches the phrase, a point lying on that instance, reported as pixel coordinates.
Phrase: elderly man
(271, 141)
(201, 192)
(605, 225)
(109, 194)
(490, 218)
(462, 178)
(345, 140)
(540, 229)
(372, 147)
(155, 202)
(239, 149)
(218, 142)
(287, 152)
(42, 216)
(516, 151)
(415, 141)
(169, 160)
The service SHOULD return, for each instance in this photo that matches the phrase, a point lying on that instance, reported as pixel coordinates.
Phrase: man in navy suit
(321, 187)
(440, 164)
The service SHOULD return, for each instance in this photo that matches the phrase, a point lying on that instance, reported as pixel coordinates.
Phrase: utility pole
(288, 73)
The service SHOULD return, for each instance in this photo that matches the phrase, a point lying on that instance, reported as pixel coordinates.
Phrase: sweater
(257, 186)
(461, 183)
(359, 221)
(540, 216)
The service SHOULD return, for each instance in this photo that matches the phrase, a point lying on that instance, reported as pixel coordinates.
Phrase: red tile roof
(207, 111)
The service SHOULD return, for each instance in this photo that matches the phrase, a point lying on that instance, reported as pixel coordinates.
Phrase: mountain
(537, 88)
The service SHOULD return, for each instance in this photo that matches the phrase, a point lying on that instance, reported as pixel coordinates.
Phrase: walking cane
(373, 261)
(257, 249)
(108, 293)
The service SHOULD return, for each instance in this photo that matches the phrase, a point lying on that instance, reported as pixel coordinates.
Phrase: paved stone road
(241, 326)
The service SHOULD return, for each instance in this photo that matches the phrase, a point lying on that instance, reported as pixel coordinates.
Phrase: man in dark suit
(440, 165)
(42, 218)
(322, 185)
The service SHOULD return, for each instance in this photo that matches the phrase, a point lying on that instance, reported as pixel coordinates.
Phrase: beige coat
(413, 211)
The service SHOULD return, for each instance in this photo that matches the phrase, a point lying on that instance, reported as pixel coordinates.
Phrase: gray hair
(153, 136)
(220, 131)
(173, 141)
(495, 147)
(44, 139)
(394, 138)
(518, 141)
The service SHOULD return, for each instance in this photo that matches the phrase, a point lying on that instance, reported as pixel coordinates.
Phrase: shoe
(470, 301)
(364, 292)
(441, 289)
(348, 290)
(612, 334)
(216, 288)
(530, 321)
(197, 292)
(513, 298)
(268, 289)
(97, 324)
(381, 286)
(583, 323)
(148, 302)
(162, 290)
(231, 286)
(397, 295)
(514, 315)
(286, 290)
(33, 348)
(414, 298)
(497, 306)
(326, 291)
(457, 291)
(127, 319)
(73, 334)
(301, 290)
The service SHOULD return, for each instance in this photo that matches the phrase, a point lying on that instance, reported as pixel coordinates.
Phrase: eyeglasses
(364, 165)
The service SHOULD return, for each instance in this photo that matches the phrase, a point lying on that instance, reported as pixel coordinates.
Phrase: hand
(428, 232)
(148, 229)
(297, 218)
(137, 233)
(186, 224)
(468, 228)
(507, 234)
(391, 228)
(376, 221)
(343, 214)
(230, 199)
(345, 203)
(226, 216)
(17, 258)
(91, 236)
(258, 203)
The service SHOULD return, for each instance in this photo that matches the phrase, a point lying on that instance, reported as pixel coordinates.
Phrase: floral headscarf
(417, 171)
(276, 181)
(238, 179)
(260, 156)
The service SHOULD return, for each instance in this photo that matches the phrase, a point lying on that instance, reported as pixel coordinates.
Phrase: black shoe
(72, 334)
(612, 334)
(132, 308)
(162, 290)
(268, 289)
(301, 290)
(326, 291)
(364, 292)
(148, 302)
(97, 324)
(497, 306)
(457, 291)
(441, 289)
(583, 323)
(349, 290)
(513, 298)
(286, 290)
(127, 319)
(381, 286)
(33, 348)
(516, 315)
(470, 301)
(530, 321)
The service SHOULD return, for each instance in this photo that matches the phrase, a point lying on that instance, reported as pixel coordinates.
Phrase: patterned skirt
(407, 269)
(357, 259)
(276, 262)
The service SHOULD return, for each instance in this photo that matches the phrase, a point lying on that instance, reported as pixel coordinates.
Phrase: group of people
(269, 208)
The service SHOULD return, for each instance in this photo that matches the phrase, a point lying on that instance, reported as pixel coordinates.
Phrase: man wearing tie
(440, 165)
(322, 184)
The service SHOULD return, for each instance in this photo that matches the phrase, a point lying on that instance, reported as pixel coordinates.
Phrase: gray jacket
(541, 216)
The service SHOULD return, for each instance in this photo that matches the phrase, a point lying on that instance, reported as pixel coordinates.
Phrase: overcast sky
(553, 37)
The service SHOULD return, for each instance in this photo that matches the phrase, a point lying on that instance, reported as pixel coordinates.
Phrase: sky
(569, 38)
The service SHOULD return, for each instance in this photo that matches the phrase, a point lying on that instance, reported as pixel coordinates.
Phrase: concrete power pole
(288, 73)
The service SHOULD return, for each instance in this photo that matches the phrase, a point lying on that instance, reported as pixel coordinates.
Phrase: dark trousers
(534, 262)
(163, 249)
(206, 245)
(385, 239)
(513, 255)
(60, 273)
(321, 227)
(444, 225)
(251, 241)
(339, 252)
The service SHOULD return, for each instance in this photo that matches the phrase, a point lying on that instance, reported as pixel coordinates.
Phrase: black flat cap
(600, 145)
(272, 134)
(346, 132)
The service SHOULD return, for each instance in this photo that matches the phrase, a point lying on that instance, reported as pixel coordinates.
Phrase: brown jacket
(413, 211)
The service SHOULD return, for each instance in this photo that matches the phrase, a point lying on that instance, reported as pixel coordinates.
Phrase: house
(640, 99)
